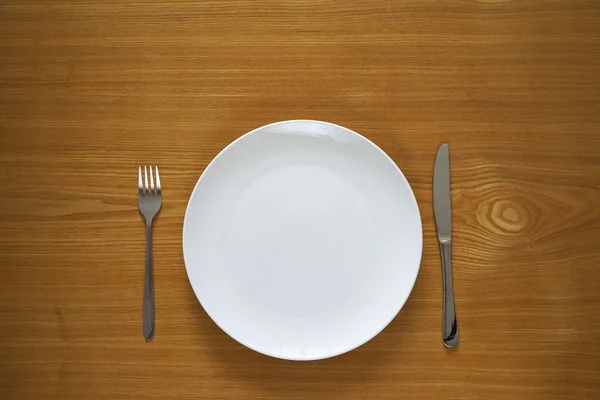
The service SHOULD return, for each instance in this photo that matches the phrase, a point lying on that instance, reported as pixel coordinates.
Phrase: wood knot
(504, 217)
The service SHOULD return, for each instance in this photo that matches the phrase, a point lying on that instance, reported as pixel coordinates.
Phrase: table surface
(90, 91)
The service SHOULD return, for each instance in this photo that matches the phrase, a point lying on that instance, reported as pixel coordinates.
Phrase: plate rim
(414, 204)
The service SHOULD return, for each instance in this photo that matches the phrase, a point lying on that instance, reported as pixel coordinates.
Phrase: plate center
(293, 227)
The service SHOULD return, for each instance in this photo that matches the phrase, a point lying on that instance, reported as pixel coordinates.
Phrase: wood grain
(90, 90)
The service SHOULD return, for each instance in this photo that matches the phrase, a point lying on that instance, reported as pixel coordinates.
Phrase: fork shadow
(331, 376)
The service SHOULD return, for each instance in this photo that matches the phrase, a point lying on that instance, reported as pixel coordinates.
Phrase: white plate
(302, 240)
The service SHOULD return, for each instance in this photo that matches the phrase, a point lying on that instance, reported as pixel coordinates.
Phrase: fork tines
(143, 188)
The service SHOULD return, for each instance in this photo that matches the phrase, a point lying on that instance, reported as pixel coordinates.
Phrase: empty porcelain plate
(302, 240)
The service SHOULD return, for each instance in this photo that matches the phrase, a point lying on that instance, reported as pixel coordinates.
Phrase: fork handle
(449, 325)
(148, 317)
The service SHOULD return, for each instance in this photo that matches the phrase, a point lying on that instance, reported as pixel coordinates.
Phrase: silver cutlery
(443, 220)
(149, 202)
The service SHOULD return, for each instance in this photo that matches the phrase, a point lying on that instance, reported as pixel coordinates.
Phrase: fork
(149, 202)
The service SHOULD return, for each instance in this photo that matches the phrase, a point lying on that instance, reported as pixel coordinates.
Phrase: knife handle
(449, 324)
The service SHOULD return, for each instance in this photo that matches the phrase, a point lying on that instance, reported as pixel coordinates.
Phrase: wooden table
(88, 91)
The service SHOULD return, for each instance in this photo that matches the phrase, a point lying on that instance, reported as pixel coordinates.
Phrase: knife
(443, 222)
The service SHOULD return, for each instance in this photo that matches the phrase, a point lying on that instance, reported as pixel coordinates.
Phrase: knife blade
(441, 194)
(442, 209)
